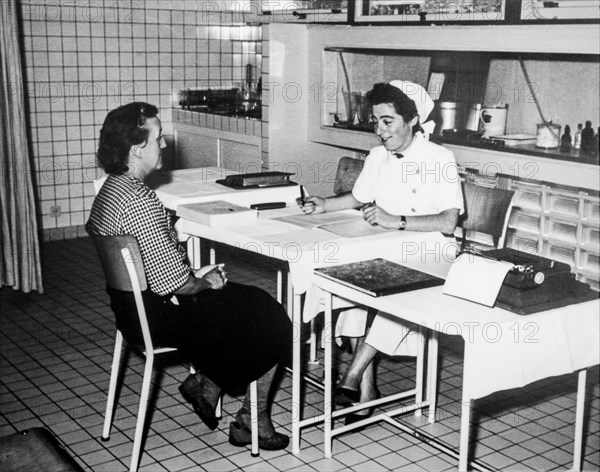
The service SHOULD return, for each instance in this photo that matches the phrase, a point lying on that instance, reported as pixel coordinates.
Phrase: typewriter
(537, 283)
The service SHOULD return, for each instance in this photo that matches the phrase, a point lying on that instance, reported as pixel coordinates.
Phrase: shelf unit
(558, 223)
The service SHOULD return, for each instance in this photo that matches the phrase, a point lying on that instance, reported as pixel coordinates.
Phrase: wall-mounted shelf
(557, 57)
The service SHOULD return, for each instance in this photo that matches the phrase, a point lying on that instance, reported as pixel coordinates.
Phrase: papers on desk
(349, 224)
(217, 213)
(315, 221)
(475, 278)
(353, 228)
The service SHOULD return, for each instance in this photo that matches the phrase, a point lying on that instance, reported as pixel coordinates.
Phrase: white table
(178, 187)
(184, 186)
(301, 249)
(502, 350)
(563, 330)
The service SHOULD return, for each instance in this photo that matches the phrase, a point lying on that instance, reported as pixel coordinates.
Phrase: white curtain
(20, 266)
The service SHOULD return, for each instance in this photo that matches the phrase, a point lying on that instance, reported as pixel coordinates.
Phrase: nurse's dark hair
(123, 127)
(403, 105)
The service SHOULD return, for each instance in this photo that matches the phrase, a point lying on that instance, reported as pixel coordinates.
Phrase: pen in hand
(302, 194)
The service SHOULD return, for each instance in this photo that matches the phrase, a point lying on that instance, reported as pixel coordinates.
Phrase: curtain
(20, 266)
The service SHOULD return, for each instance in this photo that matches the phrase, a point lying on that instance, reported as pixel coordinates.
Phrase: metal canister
(472, 116)
(447, 116)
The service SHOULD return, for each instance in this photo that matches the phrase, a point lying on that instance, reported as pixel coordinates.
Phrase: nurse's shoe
(344, 396)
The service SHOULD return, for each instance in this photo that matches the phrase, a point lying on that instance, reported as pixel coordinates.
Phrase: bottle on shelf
(587, 138)
(565, 141)
(577, 140)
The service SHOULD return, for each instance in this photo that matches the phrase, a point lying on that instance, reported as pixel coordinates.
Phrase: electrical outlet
(55, 211)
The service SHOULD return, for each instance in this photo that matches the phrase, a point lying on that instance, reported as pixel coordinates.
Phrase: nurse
(407, 183)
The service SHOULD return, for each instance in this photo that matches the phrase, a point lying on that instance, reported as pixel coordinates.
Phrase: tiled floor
(56, 351)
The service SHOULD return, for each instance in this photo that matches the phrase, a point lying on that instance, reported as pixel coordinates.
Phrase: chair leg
(141, 417)
(112, 387)
(219, 407)
(254, 418)
(313, 342)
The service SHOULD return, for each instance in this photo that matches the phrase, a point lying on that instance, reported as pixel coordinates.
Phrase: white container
(493, 120)
(548, 135)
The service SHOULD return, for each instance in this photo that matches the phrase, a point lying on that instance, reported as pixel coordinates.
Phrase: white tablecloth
(178, 187)
(502, 350)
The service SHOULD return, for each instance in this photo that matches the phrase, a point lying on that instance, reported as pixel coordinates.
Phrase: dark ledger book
(257, 180)
(378, 277)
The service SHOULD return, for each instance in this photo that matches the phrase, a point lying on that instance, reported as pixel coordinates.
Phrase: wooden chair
(487, 211)
(124, 270)
(348, 170)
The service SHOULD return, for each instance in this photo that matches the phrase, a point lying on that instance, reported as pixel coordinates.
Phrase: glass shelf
(472, 81)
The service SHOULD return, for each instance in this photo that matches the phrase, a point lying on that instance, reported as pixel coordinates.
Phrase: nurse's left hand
(377, 216)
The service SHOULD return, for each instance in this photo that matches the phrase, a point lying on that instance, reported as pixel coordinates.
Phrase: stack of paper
(217, 213)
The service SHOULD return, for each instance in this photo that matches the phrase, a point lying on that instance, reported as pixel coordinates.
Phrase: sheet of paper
(315, 221)
(476, 278)
(355, 228)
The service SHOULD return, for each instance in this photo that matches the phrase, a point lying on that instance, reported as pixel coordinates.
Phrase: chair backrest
(487, 211)
(116, 265)
(98, 183)
(124, 270)
(348, 170)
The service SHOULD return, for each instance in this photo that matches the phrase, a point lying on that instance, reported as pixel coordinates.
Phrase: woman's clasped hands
(214, 275)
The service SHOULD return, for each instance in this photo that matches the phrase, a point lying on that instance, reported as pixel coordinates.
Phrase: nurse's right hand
(311, 205)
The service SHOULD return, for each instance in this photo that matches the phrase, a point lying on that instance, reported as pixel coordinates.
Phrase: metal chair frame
(126, 272)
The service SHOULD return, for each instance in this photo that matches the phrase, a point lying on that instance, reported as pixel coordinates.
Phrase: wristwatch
(402, 223)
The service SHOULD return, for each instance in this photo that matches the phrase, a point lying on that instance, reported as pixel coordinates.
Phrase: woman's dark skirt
(233, 335)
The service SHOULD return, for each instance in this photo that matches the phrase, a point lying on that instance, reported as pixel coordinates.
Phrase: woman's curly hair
(123, 127)
(402, 103)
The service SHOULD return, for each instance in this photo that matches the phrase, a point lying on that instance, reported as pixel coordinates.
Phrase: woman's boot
(268, 438)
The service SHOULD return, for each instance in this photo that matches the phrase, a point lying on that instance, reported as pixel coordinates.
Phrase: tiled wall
(86, 57)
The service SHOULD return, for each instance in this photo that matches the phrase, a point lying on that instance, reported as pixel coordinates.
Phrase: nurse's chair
(348, 170)
(484, 222)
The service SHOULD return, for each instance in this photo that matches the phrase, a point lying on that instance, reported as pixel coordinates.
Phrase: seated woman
(233, 334)
(406, 183)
